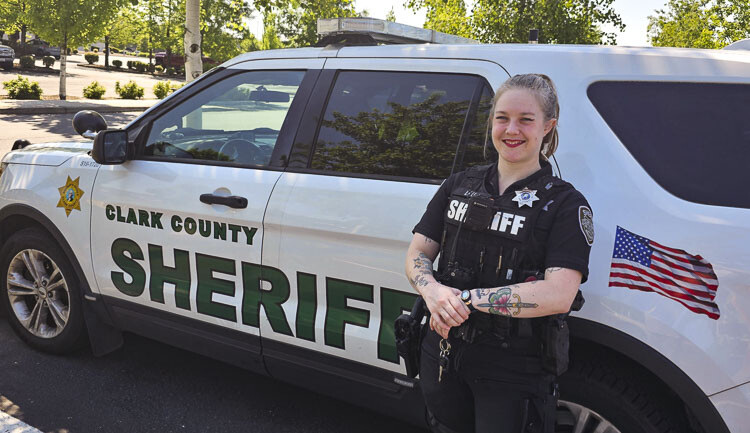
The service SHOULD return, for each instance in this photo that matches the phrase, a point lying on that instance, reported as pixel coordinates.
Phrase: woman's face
(518, 127)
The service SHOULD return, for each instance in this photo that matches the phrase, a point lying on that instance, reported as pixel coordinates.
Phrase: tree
(14, 17)
(700, 23)
(70, 23)
(391, 15)
(492, 21)
(223, 27)
(297, 20)
(193, 61)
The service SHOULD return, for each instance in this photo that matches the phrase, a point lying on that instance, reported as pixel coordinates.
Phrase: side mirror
(88, 123)
(110, 147)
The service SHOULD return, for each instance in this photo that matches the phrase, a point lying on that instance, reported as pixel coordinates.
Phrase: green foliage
(117, 63)
(223, 27)
(139, 66)
(75, 51)
(391, 15)
(164, 88)
(159, 68)
(296, 20)
(22, 88)
(494, 21)
(95, 49)
(150, 67)
(131, 90)
(91, 58)
(700, 23)
(48, 61)
(94, 91)
(171, 70)
(26, 62)
(130, 64)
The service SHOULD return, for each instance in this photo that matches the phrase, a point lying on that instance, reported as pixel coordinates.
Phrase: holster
(557, 340)
(409, 332)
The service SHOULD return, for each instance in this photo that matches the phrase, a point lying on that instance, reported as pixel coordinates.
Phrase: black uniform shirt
(563, 224)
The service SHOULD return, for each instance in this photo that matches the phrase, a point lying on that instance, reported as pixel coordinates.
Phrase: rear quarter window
(693, 139)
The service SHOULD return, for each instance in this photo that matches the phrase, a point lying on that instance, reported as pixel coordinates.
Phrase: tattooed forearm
(551, 270)
(506, 303)
(421, 281)
(481, 292)
(423, 264)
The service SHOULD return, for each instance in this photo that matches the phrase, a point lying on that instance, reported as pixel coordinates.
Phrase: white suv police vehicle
(261, 214)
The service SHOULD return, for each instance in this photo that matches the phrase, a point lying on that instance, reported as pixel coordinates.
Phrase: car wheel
(595, 397)
(41, 293)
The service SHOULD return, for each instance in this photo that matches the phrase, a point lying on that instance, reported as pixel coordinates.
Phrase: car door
(365, 163)
(177, 232)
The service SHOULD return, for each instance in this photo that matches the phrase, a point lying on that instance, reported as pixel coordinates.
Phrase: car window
(399, 124)
(693, 139)
(474, 153)
(236, 120)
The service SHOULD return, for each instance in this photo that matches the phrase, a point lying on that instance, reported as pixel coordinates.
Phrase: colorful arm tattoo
(504, 302)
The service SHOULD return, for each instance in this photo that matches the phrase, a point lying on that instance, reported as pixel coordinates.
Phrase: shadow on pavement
(62, 124)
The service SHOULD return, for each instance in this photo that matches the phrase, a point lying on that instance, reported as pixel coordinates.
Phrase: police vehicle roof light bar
(386, 32)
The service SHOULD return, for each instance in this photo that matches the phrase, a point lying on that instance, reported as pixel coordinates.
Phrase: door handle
(233, 201)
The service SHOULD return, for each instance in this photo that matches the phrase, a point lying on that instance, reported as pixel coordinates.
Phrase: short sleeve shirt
(566, 222)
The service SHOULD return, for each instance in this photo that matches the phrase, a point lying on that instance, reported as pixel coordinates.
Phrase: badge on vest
(525, 196)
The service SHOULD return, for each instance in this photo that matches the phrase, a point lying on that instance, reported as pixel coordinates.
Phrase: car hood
(52, 154)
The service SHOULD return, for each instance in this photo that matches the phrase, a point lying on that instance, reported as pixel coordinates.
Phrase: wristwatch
(466, 299)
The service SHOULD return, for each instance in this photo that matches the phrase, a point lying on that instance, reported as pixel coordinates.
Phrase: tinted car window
(394, 123)
(474, 151)
(692, 138)
(237, 120)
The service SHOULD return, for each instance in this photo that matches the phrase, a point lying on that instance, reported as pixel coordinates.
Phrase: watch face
(465, 295)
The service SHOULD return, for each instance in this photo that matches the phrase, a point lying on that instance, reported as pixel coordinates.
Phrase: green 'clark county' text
(206, 228)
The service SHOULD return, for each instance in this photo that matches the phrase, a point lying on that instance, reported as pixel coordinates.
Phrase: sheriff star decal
(70, 196)
(525, 197)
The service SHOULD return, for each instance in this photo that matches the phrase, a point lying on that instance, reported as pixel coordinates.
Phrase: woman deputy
(514, 244)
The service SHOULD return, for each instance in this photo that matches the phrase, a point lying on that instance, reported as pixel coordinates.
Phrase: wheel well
(15, 223)
(661, 377)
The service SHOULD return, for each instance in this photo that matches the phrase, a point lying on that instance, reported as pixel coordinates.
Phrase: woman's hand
(446, 308)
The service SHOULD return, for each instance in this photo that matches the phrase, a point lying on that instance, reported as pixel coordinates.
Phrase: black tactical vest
(492, 241)
(495, 237)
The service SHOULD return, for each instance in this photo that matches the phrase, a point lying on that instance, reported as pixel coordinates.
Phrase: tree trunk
(193, 61)
(63, 58)
(23, 35)
(106, 52)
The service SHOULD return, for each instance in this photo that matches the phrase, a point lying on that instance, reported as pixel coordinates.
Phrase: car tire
(601, 397)
(40, 292)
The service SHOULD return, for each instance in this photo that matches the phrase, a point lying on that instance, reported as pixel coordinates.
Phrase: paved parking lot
(79, 77)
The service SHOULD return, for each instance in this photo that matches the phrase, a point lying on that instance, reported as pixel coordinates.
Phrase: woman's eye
(501, 118)
(527, 119)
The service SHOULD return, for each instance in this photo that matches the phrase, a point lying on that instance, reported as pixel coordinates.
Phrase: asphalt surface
(79, 77)
(45, 128)
(150, 387)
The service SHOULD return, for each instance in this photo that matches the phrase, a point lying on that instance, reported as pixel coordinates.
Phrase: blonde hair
(543, 88)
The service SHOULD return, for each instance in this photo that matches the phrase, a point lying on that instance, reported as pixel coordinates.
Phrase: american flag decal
(639, 263)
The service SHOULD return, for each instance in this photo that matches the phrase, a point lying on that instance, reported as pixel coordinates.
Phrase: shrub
(151, 68)
(131, 90)
(130, 64)
(91, 58)
(159, 68)
(48, 61)
(96, 50)
(164, 88)
(171, 71)
(140, 66)
(22, 88)
(26, 62)
(75, 51)
(117, 63)
(94, 91)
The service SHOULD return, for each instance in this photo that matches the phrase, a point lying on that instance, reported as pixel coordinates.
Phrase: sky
(634, 14)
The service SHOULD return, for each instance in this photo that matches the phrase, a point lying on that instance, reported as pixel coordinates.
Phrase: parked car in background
(176, 60)
(38, 48)
(6, 57)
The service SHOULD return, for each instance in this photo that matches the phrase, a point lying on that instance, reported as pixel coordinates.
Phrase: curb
(71, 107)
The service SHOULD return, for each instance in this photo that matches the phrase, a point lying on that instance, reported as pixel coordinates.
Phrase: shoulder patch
(586, 221)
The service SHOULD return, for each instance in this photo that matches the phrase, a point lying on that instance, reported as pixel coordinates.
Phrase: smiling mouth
(513, 143)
